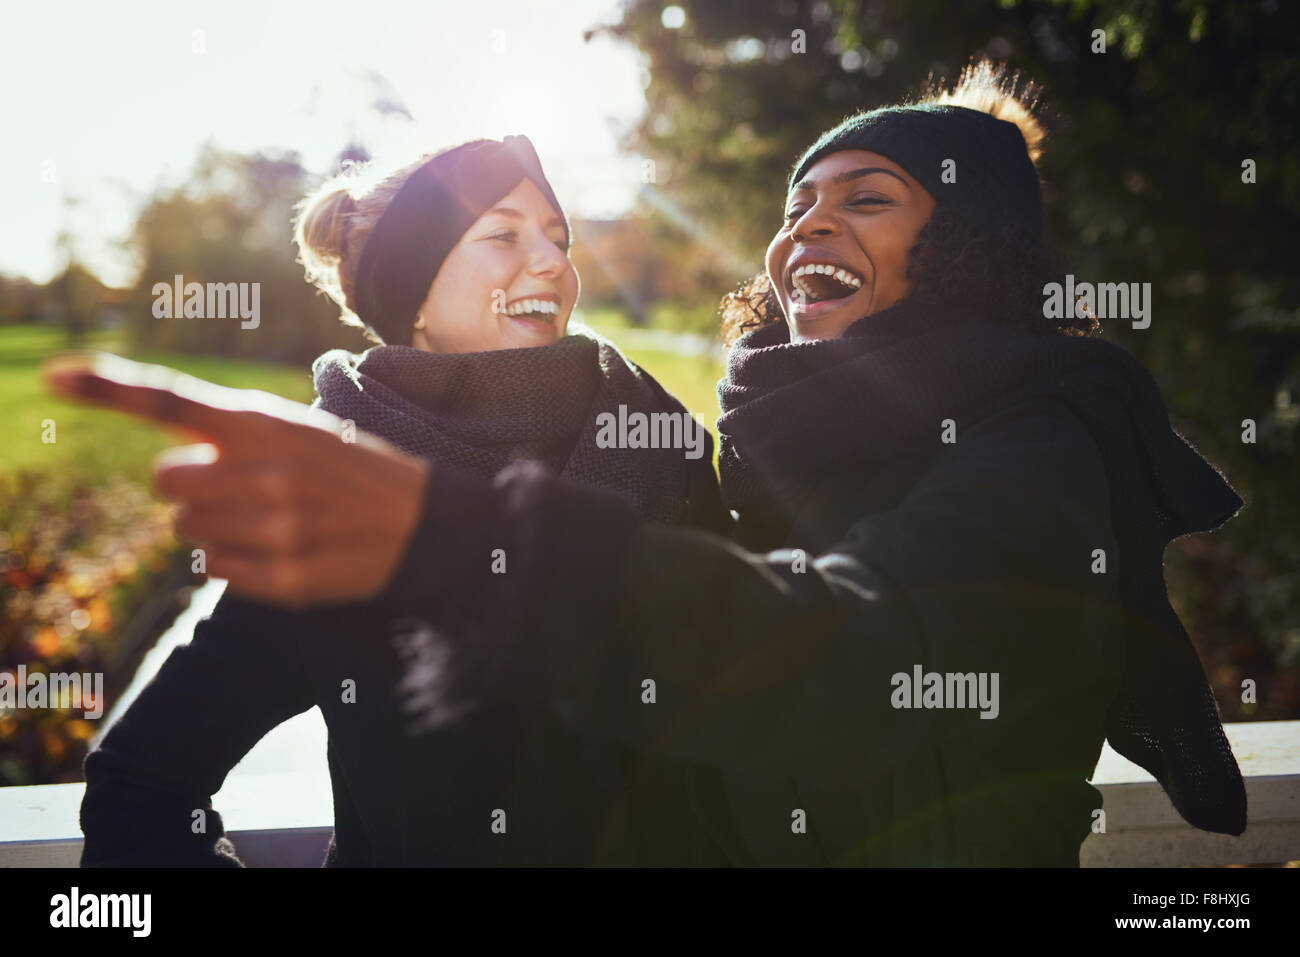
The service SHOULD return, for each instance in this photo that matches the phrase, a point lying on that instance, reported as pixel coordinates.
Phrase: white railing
(285, 819)
(1144, 830)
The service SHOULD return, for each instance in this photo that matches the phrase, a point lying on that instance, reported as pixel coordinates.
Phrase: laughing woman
(944, 589)
(459, 265)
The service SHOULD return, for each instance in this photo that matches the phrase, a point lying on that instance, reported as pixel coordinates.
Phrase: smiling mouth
(543, 309)
(814, 283)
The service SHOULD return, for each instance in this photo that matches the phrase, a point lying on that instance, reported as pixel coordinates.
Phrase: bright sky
(111, 100)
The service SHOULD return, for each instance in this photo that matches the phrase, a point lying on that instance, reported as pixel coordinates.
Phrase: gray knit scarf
(481, 410)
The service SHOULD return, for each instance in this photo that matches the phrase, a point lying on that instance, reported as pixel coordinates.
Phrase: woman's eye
(868, 201)
(507, 235)
(794, 214)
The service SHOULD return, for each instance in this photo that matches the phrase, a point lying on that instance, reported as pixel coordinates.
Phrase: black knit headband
(427, 217)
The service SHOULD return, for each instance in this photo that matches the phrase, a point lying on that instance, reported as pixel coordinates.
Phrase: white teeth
(820, 269)
(534, 306)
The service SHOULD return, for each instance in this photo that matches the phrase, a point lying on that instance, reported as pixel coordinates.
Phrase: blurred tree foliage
(19, 299)
(1143, 183)
(231, 222)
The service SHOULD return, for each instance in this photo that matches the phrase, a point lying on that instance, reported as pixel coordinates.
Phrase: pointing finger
(225, 416)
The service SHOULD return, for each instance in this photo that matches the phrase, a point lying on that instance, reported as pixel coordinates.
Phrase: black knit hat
(995, 184)
(427, 217)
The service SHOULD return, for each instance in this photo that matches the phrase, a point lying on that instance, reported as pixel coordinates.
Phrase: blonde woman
(458, 265)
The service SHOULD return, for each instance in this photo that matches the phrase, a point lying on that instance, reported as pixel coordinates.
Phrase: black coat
(754, 685)
(402, 795)
(782, 677)
(974, 557)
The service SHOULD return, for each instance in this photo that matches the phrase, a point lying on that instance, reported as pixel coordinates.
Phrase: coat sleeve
(677, 641)
(151, 780)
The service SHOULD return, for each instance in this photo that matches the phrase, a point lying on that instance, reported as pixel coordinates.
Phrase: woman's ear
(419, 339)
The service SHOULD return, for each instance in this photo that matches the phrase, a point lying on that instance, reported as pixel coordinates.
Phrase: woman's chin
(824, 320)
(520, 332)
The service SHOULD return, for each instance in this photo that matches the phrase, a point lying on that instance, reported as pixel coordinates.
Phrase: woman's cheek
(499, 294)
(777, 253)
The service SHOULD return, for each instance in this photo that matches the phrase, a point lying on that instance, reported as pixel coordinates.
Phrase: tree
(231, 223)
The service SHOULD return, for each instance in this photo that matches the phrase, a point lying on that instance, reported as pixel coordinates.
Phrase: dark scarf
(792, 413)
(479, 411)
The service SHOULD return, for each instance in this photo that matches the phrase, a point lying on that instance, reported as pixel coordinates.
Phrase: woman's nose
(814, 223)
(546, 258)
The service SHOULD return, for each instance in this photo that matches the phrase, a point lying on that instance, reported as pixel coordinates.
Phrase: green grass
(700, 319)
(91, 445)
(94, 444)
(692, 379)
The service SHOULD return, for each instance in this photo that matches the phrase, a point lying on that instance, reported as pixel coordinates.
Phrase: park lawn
(92, 445)
(692, 379)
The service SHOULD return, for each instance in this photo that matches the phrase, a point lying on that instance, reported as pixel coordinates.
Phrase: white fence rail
(285, 819)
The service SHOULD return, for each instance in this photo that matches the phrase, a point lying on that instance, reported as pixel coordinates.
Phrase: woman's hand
(288, 504)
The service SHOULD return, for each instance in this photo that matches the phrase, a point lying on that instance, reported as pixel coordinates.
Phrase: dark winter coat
(931, 491)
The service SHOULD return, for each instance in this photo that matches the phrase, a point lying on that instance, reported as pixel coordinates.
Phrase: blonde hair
(333, 222)
(995, 89)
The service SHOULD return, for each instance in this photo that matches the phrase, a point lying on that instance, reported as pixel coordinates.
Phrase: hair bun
(994, 89)
(325, 222)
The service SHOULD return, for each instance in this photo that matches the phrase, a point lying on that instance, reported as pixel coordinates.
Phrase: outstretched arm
(780, 659)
